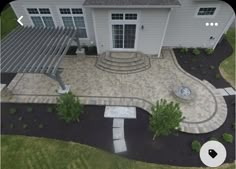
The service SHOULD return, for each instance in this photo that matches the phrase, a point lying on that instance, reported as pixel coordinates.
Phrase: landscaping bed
(6, 78)
(204, 66)
(93, 129)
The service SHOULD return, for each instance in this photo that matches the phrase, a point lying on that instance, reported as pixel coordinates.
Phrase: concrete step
(115, 62)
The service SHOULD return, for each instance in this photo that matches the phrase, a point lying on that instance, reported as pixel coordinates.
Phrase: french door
(123, 36)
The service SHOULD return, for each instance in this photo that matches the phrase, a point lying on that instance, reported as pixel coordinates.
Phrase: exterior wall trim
(95, 32)
(164, 34)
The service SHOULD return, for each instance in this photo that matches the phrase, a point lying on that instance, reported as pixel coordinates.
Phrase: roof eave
(132, 6)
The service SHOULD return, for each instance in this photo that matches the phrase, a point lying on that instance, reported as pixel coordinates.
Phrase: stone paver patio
(205, 113)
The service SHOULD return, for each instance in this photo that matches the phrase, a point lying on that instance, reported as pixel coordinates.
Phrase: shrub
(49, 110)
(69, 107)
(25, 126)
(183, 50)
(12, 111)
(213, 138)
(228, 138)
(212, 67)
(196, 146)
(29, 109)
(218, 76)
(12, 126)
(40, 126)
(165, 118)
(209, 51)
(233, 126)
(196, 51)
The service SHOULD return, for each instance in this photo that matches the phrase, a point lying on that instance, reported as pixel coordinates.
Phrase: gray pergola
(37, 50)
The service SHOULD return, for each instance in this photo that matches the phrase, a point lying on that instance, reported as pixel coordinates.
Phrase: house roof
(35, 50)
(130, 3)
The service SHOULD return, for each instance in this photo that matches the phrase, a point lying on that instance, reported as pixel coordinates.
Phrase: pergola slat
(17, 48)
(34, 55)
(36, 50)
(11, 34)
(55, 53)
(7, 46)
(27, 55)
(48, 55)
(22, 53)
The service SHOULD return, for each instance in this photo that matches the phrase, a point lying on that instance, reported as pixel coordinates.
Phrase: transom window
(117, 16)
(41, 17)
(32, 10)
(44, 11)
(74, 18)
(131, 16)
(124, 16)
(206, 11)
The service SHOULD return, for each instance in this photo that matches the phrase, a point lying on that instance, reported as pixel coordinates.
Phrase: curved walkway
(204, 114)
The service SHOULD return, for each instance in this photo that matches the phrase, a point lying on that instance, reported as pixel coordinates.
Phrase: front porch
(94, 86)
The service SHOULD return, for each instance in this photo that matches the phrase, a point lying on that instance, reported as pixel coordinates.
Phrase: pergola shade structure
(36, 50)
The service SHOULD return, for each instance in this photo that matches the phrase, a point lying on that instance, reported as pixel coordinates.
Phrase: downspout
(164, 34)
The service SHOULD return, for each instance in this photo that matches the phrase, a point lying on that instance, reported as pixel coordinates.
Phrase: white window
(124, 16)
(206, 11)
(74, 18)
(41, 17)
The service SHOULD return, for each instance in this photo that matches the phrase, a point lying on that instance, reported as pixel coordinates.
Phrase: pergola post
(63, 88)
(79, 49)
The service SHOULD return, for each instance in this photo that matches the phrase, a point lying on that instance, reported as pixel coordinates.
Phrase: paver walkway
(118, 114)
(205, 113)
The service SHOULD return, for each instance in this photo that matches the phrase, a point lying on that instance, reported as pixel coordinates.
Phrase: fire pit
(184, 93)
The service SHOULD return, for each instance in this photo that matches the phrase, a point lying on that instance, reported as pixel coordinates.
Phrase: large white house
(133, 25)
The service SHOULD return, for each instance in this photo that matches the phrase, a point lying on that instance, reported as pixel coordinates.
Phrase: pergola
(37, 50)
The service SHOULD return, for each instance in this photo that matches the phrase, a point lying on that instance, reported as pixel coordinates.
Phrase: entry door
(123, 36)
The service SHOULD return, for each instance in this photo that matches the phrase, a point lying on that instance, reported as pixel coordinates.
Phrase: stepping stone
(220, 92)
(118, 133)
(119, 146)
(118, 123)
(120, 112)
(230, 90)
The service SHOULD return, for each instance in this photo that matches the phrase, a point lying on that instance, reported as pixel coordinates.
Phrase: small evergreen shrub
(69, 107)
(29, 109)
(12, 126)
(49, 109)
(196, 51)
(40, 126)
(218, 76)
(12, 111)
(196, 146)
(165, 118)
(183, 50)
(25, 126)
(212, 67)
(228, 137)
(209, 51)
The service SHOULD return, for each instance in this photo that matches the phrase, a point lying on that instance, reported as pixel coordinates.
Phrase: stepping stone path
(229, 91)
(118, 114)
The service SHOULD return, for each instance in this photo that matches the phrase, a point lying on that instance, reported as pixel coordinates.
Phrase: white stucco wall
(148, 40)
(20, 6)
(186, 29)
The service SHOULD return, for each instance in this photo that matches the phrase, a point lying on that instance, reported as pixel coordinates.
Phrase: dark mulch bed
(6, 78)
(95, 130)
(201, 66)
(91, 50)
(176, 148)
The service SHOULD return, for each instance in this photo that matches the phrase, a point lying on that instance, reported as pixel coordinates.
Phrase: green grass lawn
(21, 152)
(227, 67)
(8, 21)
